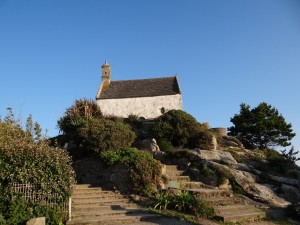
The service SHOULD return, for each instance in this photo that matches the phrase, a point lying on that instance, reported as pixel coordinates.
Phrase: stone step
(103, 201)
(193, 185)
(130, 219)
(210, 193)
(175, 173)
(241, 216)
(229, 209)
(171, 167)
(106, 194)
(87, 190)
(104, 214)
(97, 207)
(216, 201)
(238, 213)
(82, 186)
(180, 178)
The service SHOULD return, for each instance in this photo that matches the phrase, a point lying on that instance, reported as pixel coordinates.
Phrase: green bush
(100, 135)
(77, 114)
(90, 131)
(53, 216)
(177, 127)
(20, 211)
(183, 202)
(25, 159)
(164, 145)
(144, 171)
(132, 119)
(2, 220)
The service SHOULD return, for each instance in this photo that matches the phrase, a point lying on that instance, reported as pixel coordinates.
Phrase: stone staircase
(97, 206)
(228, 208)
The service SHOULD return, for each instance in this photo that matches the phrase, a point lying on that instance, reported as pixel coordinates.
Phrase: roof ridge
(146, 78)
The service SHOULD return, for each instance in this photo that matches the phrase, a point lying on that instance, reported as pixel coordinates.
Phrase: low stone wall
(220, 131)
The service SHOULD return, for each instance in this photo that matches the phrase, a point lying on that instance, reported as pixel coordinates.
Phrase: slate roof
(141, 88)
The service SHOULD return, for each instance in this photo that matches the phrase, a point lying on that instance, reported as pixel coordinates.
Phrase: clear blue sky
(224, 52)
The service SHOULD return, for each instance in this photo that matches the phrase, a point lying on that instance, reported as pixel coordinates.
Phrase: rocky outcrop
(214, 155)
(247, 181)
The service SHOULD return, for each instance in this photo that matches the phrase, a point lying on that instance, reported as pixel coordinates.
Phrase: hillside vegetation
(27, 160)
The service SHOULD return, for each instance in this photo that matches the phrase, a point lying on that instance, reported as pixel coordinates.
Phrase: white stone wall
(148, 107)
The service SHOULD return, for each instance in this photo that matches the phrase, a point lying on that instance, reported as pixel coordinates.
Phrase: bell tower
(105, 73)
(105, 79)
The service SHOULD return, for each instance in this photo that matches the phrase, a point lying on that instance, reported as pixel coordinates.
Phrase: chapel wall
(147, 107)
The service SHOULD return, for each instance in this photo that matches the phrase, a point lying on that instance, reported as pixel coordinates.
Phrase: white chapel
(148, 98)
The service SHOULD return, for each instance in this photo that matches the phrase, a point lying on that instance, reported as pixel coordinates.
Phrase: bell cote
(105, 72)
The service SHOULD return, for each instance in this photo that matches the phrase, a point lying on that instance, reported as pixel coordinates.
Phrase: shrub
(77, 114)
(164, 145)
(25, 159)
(84, 124)
(144, 171)
(183, 202)
(179, 153)
(100, 135)
(2, 220)
(176, 126)
(20, 211)
(132, 119)
(202, 209)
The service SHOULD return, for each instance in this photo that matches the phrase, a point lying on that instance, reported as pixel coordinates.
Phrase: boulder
(214, 155)
(149, 145)
(37, 221)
